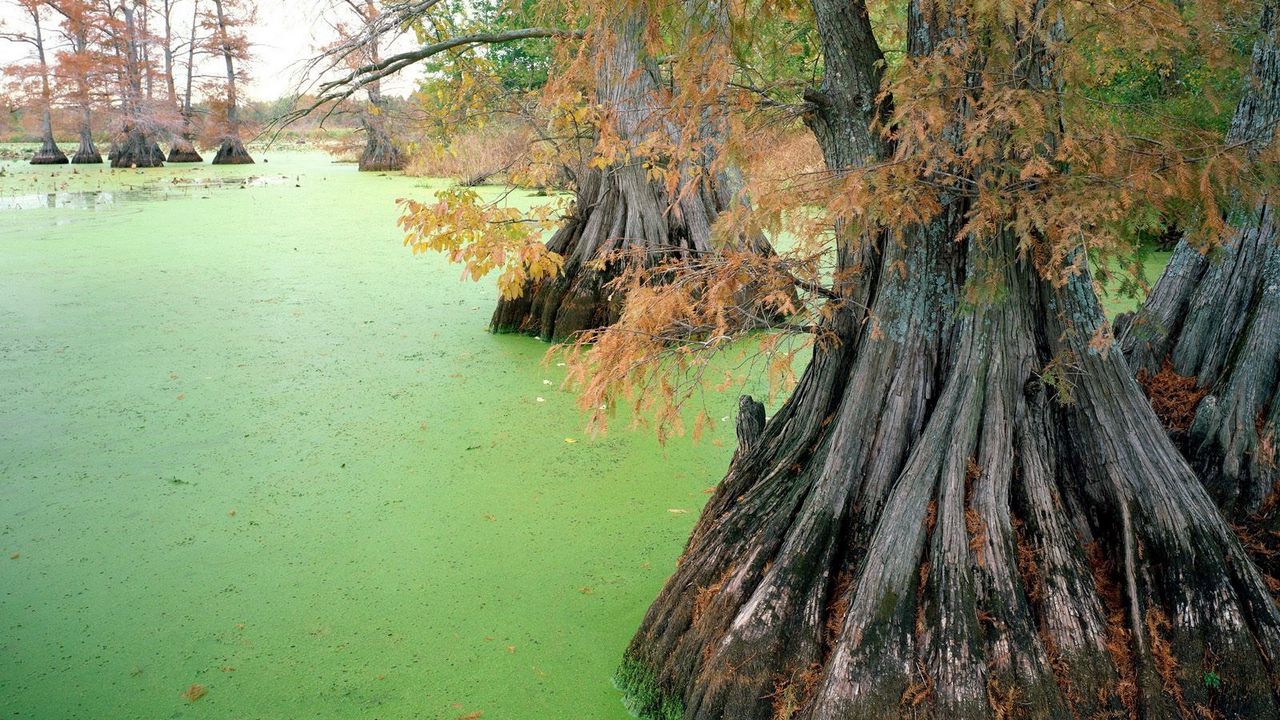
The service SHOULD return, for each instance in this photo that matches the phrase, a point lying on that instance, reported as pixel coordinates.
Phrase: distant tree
(141, 120)
(38, 71)
(356, 26)
(226, 24)
(183, 149)
(82, 67)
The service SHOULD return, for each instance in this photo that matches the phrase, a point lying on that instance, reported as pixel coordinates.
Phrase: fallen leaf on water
(677, 511)
(227, 668)
(709, 491)
(195, 692)
(541, 400)
(471, 716)
(491, 518)
(182, 396)
(585, 590)
(511, 649)
(570, 440)
(15, 556)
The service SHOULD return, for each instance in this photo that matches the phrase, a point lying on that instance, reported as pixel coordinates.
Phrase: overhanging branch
(336, 91)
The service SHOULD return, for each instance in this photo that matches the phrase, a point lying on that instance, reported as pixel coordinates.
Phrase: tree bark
(931, 526)
(1215, 317)
(618, 208)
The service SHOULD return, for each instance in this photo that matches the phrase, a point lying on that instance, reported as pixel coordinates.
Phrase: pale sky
(286, 33)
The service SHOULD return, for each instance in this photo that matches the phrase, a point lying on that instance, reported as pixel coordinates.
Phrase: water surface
(248, 441)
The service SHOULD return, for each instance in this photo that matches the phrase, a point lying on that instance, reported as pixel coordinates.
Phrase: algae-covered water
(248, 441)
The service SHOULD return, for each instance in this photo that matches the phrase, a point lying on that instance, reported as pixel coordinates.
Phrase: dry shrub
(1005, 701)
(474, 157)
(1119, 641)
(707, 594)
(776, 154)
(920, 689)
(790, 694)
(974, 524)
(1174, 397)
(1162, 653)
(838, 608)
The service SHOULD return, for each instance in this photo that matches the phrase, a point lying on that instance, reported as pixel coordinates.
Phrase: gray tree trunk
(1216, 318)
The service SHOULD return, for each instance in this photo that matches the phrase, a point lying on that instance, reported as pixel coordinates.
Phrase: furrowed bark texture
(619, 208)
(1215, 317)
(929, 528)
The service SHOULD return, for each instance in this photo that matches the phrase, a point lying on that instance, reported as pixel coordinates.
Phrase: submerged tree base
(90, 157)
(380, 153)
(137, 151)
(49, 154)
(232, 152)
(184, 153)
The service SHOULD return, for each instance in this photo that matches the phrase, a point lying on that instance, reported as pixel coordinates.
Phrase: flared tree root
(232, 152)
(970, 514)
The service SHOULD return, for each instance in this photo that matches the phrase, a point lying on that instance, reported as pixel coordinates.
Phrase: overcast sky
(286, 33)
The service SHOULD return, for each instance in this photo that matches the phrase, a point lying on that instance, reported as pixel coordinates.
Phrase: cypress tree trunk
(618, 208)
(49, 152)
(931, 526)
(1215, 320)
(136, 150)
(87, 153)
(380, 152)
(183, 149)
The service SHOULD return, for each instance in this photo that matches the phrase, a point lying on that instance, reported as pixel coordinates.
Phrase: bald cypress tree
(967, 509)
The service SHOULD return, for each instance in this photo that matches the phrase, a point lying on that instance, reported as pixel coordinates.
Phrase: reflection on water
(98, 199)
(87, 200)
